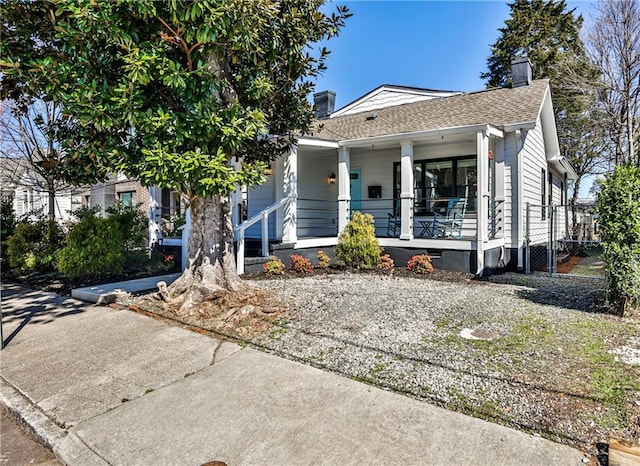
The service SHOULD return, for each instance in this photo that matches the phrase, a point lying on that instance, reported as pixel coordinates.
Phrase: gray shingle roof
(498, 107)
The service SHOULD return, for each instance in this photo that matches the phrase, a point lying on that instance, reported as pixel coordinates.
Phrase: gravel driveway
(528, 352)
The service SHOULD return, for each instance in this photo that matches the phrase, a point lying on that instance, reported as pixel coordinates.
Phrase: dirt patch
(568, 265)
(239, 315)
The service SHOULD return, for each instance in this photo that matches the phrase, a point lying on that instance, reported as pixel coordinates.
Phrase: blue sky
(431, 44)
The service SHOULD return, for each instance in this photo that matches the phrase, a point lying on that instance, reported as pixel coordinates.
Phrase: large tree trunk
(211, 269)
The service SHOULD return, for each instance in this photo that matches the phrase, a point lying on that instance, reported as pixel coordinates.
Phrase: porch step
(281, 246)
(254, 264)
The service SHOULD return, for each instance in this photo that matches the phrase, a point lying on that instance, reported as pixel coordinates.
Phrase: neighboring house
(22, 183)
(163, 206)
(403, 153)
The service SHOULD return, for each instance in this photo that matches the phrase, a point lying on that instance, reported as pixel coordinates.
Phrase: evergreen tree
(539, 29)
(549, 35)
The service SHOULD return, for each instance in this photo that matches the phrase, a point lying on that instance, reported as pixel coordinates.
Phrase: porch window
(436, 181)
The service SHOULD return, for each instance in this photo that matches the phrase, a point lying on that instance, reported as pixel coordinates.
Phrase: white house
(401, 154)
(27, 189)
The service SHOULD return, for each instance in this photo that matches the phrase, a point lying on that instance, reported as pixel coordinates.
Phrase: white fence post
(265, 234)
(527, 258)
(240, 252)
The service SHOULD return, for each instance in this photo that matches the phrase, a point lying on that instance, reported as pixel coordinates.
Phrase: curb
(66, 446)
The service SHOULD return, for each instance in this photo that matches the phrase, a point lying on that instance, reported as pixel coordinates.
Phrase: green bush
(133, 226)
(83, 211)
(619, 211)
(323, 260)
(357, 245)
(273, 266)
(94, 249)
(7, 225)
(34, 244)
(7, 217)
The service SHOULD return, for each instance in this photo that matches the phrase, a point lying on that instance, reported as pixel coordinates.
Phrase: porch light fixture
(332, 178)
(268, 171)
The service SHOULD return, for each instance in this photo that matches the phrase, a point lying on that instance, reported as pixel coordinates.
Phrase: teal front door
(355, 178)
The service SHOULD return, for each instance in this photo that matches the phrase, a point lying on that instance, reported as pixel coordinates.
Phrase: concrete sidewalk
(108, 293)
(113, 387)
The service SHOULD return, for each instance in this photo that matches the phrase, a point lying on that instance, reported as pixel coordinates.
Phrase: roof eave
(316, 142)
(418, 135)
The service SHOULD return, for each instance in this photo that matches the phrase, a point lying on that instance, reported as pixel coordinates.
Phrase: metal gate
(559, 237)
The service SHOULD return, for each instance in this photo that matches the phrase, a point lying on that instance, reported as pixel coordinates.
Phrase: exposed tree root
(245, 311)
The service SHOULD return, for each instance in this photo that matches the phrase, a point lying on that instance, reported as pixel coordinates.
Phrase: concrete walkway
(102, 386)
(108, 293)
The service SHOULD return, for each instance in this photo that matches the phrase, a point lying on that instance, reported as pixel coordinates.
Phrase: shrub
(387, 263)
(618, 207)
(34, 244)
(133, 226)
(94, 249)
(7, 225)
(357, 245)
(82, 212)
(7, 217)
(273, 266)
(323, 259)
(301, 264)
(420, 263)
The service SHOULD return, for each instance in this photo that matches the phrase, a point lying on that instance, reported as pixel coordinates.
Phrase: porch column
(484, 194)
(406, 190)
(155, 215)
(344, 191)
(290, 226)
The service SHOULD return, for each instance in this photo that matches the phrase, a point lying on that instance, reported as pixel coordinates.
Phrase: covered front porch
(404, 181)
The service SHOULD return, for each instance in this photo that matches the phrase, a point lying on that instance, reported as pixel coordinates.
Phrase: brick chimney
(520, 72)
(324, 103)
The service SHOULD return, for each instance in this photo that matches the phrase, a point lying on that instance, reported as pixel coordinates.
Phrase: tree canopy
(170, 91)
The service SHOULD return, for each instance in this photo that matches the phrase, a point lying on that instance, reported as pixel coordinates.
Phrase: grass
(610, 381)
(585, 343)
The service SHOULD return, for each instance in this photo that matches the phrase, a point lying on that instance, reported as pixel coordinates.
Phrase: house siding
(533, 155)
(388, 98)
(317, 200)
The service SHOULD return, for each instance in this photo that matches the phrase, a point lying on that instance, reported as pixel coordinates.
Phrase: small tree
(357, 245)
(619, 209)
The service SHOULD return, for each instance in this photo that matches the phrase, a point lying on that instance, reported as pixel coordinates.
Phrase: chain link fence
(562, 239)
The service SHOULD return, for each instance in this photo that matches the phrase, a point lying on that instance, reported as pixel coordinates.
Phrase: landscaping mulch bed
(530, 352)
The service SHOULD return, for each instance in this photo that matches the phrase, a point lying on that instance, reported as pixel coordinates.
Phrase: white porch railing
(240, 232)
